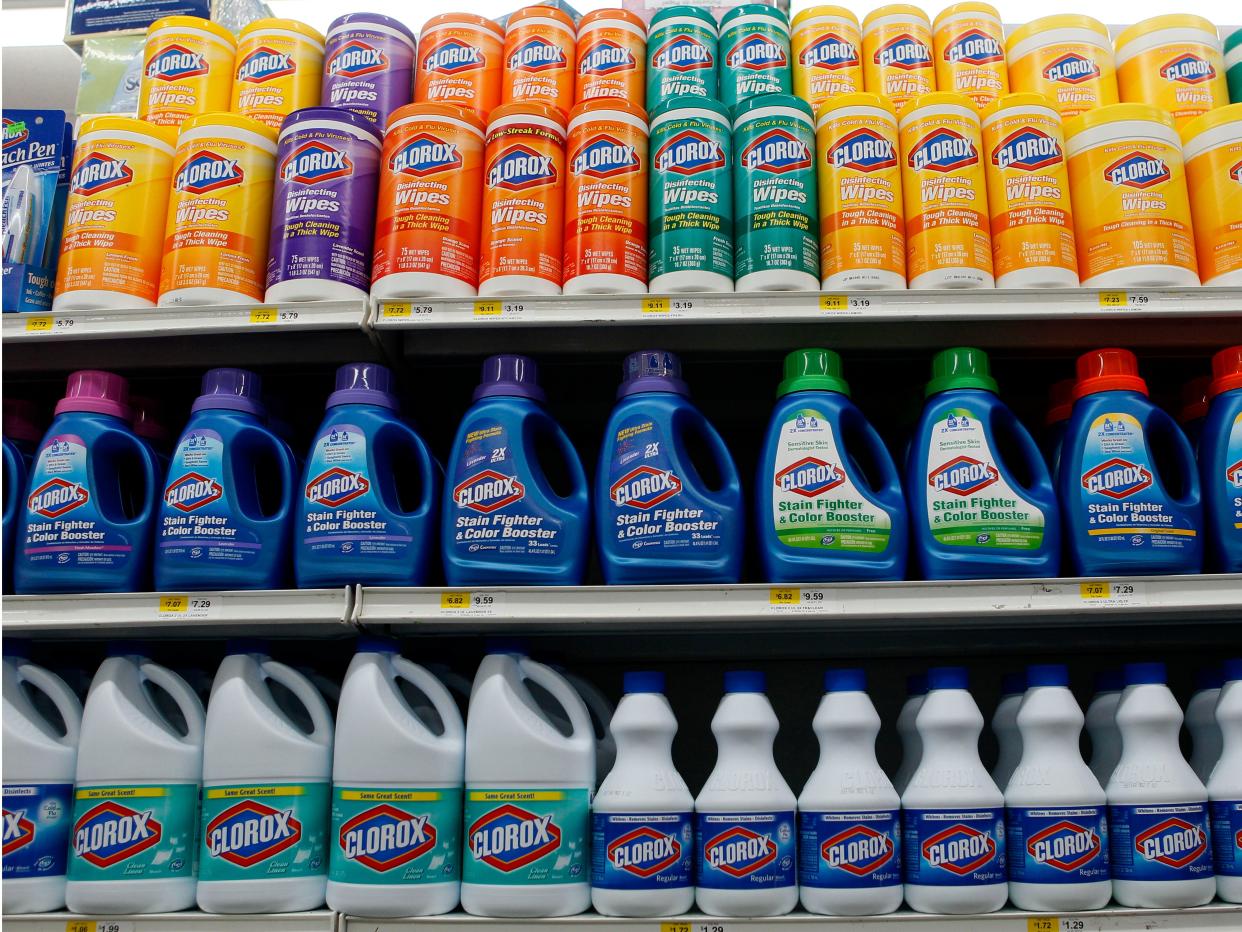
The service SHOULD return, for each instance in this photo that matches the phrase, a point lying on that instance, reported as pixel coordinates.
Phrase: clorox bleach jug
(954, 816)
(1225, 788)
(642, 828)
(396, 789)
(745, 830)
(1205, 736)
(849, 824)
(1220, 462)
(528, 794)
(1161, 854)
(38, 763)
(911, 744)
(135, 808)
(1005, 728)
(1055, 812)
(1102, 724)
(267, 767)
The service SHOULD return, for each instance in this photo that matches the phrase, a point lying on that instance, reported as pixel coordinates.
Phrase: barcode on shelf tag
(802, 599)
(188, 606)
(1105, 593)
(98, 925)
(39, 324)
(482, 602)
(1124, 300)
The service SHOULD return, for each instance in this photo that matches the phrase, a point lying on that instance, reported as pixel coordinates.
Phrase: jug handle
(563, 693)
(889, 477)
(724, 459)
(289, 481)
(570, 455)
(440, 697)
(1188, 462)
(155, 488)
(307, 694)
(1030, 449)
(427, 467)
(187, 700)
(65, 700)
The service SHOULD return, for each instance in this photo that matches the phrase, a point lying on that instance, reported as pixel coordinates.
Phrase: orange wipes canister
(948, 243)
(1173, 62)
(187, 69)
(612, 57)
(1212, 147)
(114, 218)
(969, 45)
(897, 54)
(1028, 194)
(862, 242)
(606, 199)
(460, 62)
(219, 212)
(1068, 58)
(523, 201)
(540, 58)
(279, 69)
(1131, 206)
(427, 220)
(826, 48)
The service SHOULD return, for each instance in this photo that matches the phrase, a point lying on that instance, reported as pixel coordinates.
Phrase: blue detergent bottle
(1060, 406)
(658, 518)
(370, 492)
(980, 499)
(1129, 485)
(821, 516)
(517, 509)
(91, 496)
(14, 485)
(1220, 462)
(224, 522)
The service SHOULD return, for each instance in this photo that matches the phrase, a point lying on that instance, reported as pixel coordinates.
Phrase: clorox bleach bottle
(642, 820)
(1005, 728)
(1055, 812)
(1102, 724)
(267, 767)
(1225, 788)
(1157, 808)
(954, 815)
(1205, 736)
(528, 794)
(396, 789)
(849, 824)
(38, 762)
(1220, 462)
(745, 830)
(135, 811)
(911, 744)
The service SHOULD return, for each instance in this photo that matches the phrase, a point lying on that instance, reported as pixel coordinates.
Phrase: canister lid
(960, 367)
(811, 370)
(1159, 23)
(1107, 370)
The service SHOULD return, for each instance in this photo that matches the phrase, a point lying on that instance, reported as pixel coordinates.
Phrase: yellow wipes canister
(1131, 208)
(1212, 147)
(897, 54)
(187, 69)
(862, 243)
(968, 42)
(944, 193)
(279, 69)
(1172, 62)
(1068, 58)
(114, 218)
(1028, 194)
(219, 212)
(826, 47)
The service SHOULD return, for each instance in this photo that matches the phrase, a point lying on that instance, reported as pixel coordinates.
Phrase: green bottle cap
(960, 367)
(813, 370)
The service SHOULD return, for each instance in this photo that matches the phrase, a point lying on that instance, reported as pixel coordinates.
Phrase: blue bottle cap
(230, 390)
(1233, 670)
(916, 684)
(1047, 674)
(247, 646)
(1109, 681)
(1209, 678)
(375, 644)
(643, 681)
(363, 383)
(652, 371)
(845, 680)
(1013, 684)
(1141, 674)
(511, 376)
(948, 678)
(744, 681)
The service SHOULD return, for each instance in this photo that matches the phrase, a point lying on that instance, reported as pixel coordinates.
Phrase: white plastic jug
(1005, 728)
(266, 788)
(1225, 788)
(601, 711)
(1205, 736)
(135, 812)
(396, 790)
(1102, 725)
(911, 745)
(39, 765)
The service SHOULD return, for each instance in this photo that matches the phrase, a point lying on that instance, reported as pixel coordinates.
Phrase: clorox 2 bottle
(1220, 462)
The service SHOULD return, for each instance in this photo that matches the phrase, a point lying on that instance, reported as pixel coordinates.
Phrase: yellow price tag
(454, 600)
(834, 302)
(784, 596)
(263, 315)
(174, 603)
(487, 308)
(1114, 300)
(40, 324)
(396, 310)
(655, 305)
(1042, 924)
(675, 927)
(1096, 589)
(79, 925)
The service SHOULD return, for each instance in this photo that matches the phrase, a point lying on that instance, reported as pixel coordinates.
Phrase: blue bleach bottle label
(387, 836)
(1160, 842)
(251, 832)
(1226, 836)
(198, 524)
(1057, 845)
(849, 850)
(650, 851)
(954, 847)
(746, 851)
(36, 829)
(523, 837)
(134, 832)
(342, 510)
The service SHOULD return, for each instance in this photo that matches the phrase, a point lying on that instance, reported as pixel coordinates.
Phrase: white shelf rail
(321, 920)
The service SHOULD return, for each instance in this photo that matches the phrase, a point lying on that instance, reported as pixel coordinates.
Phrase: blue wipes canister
(368, 66)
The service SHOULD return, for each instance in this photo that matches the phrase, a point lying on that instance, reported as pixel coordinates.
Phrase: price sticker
(98, 925)
(186, 606)
(842, 302)
(810, 601)
(713, 926)
(1061, 924)
(482, 602)
(655, 305)
(1105, 593)
(1124, 300)
(1042, 924)
(393, 311)
(40, 324)
(263, 315)
(498, 308)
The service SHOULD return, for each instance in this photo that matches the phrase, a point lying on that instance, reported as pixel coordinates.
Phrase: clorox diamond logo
(606, 57)
(830, 52)
(250, 832)
(488, 491)
(974, 47)
(425, 154)
(384, 838)
(1065, 846)
(604, 156)
(110, 833)
(57, 497)
(644, 852)
(1236, 173)
(1233, 474)
(903, 52)
(18, 831)
(1138, 170)
(1188, 69)
(336, 487)
(963, 475)
(777, 151)
(943, 150)
(520, 167)
(1116, 479)
(644, 487)
(682, 54)
(739, 852)
(1071, 68)
(859, 850)
(1029, 149)
(688, 153)
(810, 477)
(356, 58)
(756, 52)
(453, 57)
(1174, 843)
(508, 838)
(98, 172)
(315, 162)
(192, 491)
(204, 172)
(535, 55)
(863, 150)
(15, 133)
(264, 64)
(959, 849)
(175, 62)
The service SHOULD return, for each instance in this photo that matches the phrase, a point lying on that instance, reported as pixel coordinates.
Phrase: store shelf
(317, 921)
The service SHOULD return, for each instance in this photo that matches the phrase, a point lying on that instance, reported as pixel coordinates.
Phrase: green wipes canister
(691, 202)
(681, 55)
(1233, 65)
(754, 53)
(775, 214)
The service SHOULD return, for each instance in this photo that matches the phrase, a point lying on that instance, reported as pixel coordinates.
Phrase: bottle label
(134, 832)
(36, 829)
(969, 501)
(849, 850)
(264, 831)
(681, 60)
(1160, 842)
(954, 847)
(197, 520)
(395, 836)
(1057, 845)
(754, 60)
(524, 837)
(746, 851)
(1231, 522)
(816, 504)
(1226, 837)
(649, 851)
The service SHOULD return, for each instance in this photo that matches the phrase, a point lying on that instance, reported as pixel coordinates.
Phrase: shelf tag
(1061, 924)
(185, 606)
(454, 600)
(783, 597)
(263, 315)
(1042, 924)
(41, 324)
(834, 302)
(1105, 593)
(389, 311)
(655, 305)
(487, 308)
(794, 599)
(98, 925)
(1123, 300)
(471, 603)
(714, 925)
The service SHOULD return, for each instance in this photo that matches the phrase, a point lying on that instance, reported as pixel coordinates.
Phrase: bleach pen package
(37, 156)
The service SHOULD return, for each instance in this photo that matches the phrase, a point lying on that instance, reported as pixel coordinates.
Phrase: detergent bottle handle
(153, 479)
(1186, 460)
(888, 479)
(569, 454)
(563, 693)
(286, 464)
(65, 700)
(434, 690)
(427, 467)
(186, 699)
(693, 420)
(1029, 449)
(307, 694)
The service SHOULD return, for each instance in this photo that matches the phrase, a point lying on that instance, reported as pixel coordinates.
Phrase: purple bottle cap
(652, 371)
(367, 19)
(21, 420)
(511, 376)
(97, 392)
(146, 420)
(331, 114)
(230, 390)
(363, 383)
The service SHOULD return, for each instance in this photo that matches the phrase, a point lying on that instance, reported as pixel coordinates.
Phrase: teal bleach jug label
(849, 850)
(954, 847)
(969, 502)
(270, 830)
(632, 851)
(1160, 842)
(1226, 836)
(197, 523)
(134, 832)
(522, 837)
(1048, 844)
(681, 59)
(754, 60)
(816, 504)
(395, 836)
(746, 850)
(36, 829)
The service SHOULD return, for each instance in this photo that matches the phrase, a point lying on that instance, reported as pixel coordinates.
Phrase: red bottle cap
(1060, 402)
(1226, 371)
(1108, 370)
(96, 391)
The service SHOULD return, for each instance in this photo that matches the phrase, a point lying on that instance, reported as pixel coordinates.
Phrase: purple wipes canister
(368, 66)
(323, 209)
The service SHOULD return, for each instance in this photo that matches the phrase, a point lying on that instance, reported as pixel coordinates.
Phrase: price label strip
(666, 307)
(801, 600)
(709, 926)
(405, 311)
(463, 603)
(273, 315)
(1107, 593)
(1124, 300)
(98, 925)
(40, 323)
(178, 607)
(1062, 924)
(843, 303)
(495, 309)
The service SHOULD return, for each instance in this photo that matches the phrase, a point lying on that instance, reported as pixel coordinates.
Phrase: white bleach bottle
(135, 807)
(1157, 808)
(396, 789)
(39, 757)
(1225, 788)
(911, 745)
(528, 794)
(1205, 736)
(745, 828)
(1102, 724)
(642, 821)
(849, 823)
(954, 816)
(1056, 817)
(1005, 728)
(267, 770)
